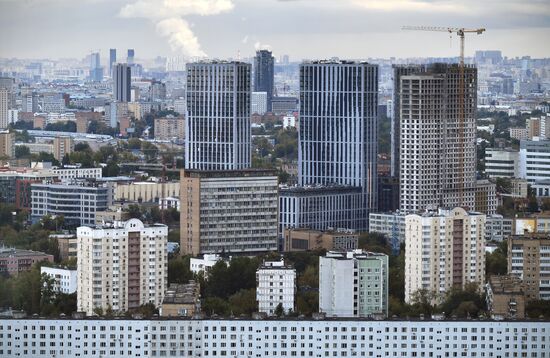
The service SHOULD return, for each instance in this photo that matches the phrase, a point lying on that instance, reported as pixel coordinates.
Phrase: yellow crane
(461, 32)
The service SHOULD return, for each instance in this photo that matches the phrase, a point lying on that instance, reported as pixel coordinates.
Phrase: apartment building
(228, 211)
(505, 297)
(62, 146)
(7, 144)
(125, 338)
(145, 191)
(444, 249)
(121, 266)
(390, 224)
(529, 259)
(275, 284)
(353, 284)
(170, 128)
(13, 261)
(485, 197)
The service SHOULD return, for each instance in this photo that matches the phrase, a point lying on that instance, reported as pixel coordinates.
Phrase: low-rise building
(77, 173)
(501, 163)
(205, 263)
(353, 284)
(519, 133)
(485, 197)
(64, 279)
(331, 240)
(146, 191)
(181, 300)
(13, 261)
(66, 243)
(505, 297)
(529, 260)
(498, 228)
(170, 202)
(275, 285)
(391, 224)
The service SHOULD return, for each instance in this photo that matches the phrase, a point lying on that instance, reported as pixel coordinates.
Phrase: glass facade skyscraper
(264, 67)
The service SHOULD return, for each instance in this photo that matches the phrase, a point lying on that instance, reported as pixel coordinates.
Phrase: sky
(302, 29)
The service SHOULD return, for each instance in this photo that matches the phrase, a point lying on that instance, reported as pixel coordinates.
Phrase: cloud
(260, 46)
(168, 18)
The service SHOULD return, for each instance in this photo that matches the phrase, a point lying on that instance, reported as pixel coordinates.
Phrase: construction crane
(461, 32)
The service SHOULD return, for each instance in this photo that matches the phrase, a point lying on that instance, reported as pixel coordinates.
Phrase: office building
(388, 194)
(505, 297)
(7, 144)
(53, 103)
(77, 203)
(13, 261)
(321, 208)
(122, 81)
(501, 163)
(218, 116)
(485, 197)
(338, 142)
(112, 272)
(443, 250)
(491, 57)
(4, 107)
(264, 65)
(228, 211)
(29, 102)
(275, 285)
(64, 280)
(112, 60)
(437, 152)
(62, 146)
(529, 259)
(130, 57)
(284, 105)
(534, 160)
(258, 102)
(170, 128)
(96, 71)
(271, 338)
(353, 284)
(309, 240)
(181, 300)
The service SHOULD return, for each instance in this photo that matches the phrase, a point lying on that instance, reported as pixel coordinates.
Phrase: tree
(134, 211)
(243, 302)
(279, 311)
(216, 305)
(463, 302)
(179, 270)
(22, 151)
(538, 308)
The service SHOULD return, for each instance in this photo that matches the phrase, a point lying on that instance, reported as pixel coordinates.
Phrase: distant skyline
(300, 28)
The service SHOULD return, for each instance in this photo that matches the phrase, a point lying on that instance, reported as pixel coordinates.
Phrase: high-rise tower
(122, 79)
(218, 116)
(264, 64)
(96, 71)
(338, 125)
(437, 158)
(130, 59)
(112, 60)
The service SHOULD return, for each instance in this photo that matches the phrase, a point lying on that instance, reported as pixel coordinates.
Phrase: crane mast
(461, 32)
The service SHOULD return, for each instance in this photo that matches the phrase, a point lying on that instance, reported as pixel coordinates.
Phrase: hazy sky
(299, 28)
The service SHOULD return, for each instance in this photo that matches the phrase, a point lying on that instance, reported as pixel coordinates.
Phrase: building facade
(443, 250)
(264, 72)
(122, 82)
(501, 163)
(64, 280)
(218, 116)
(121, 267)
(228, 211)
(62, 146)
(275, 284)
(505, 297)
(258, 103)
(129, 338)
(77, 203)
(534, 160)
(7, 144)
(338, 126)
(13, 261)
(529, 260)
(170, 128)
(437, 151)
(486, 197)
(353, 284)
(308, 240)
(4, 107)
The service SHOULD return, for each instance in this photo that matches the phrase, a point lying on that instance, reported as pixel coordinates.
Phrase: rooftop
(179, 293)
(13, 252)
(506, 284)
